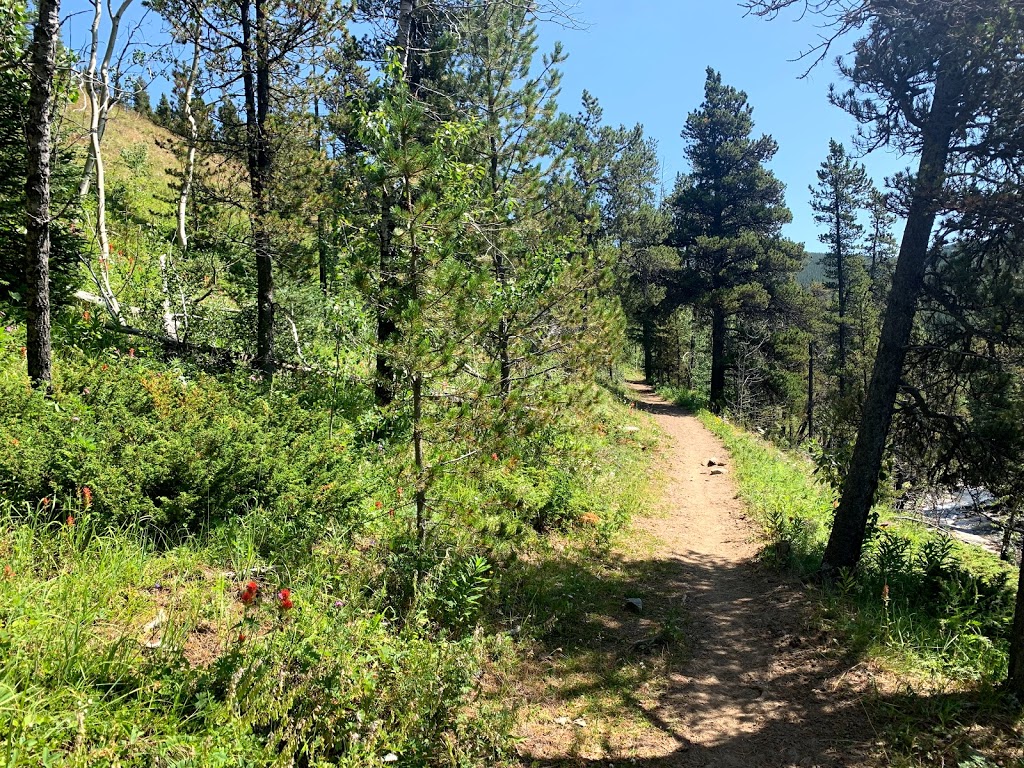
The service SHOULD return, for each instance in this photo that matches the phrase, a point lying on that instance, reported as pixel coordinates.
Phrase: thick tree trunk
(43, 65)
(1015, 673)
(647, 342)
(847, 537)
(717, 359)
(256, 84)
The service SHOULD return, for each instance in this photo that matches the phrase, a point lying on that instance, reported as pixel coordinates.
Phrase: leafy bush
(176, 450)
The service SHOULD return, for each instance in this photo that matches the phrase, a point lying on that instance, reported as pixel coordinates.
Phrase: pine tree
(729, 211)
(837, 201)
(942, 78)
(163, 115)
(140, 98)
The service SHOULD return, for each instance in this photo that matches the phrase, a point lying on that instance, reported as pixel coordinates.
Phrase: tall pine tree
(729, 212)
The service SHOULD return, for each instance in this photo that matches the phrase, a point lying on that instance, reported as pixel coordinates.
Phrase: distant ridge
(814, 272)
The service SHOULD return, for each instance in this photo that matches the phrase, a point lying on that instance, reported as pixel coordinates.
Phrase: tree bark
(43, 66)
(256, 84)
(846, 540)
(810, 390)
(717, 359)
(647, 341)
(1015, 673)
(100, 103)
(386, 326)
(193, 140)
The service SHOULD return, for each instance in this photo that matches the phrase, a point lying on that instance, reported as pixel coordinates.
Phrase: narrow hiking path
(741, 677)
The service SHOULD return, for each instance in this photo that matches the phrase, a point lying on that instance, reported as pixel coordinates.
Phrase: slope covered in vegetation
(202, 571)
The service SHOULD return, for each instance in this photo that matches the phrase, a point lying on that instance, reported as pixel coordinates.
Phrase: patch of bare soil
(757, 685)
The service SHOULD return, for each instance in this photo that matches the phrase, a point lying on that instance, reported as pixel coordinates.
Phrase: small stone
(634, 605)
(717, 471)
(561, 721)
(579, 722)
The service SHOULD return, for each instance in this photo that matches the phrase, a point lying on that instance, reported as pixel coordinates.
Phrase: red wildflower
(284, 599)
(8, 572)
(23, 351)
(104, 367)
(494, 457)
(71, 521)
(379, 504)
(46, 501)
(87, 495)
(249, 593)
(241, 637)
(87, 316)
(131, 352)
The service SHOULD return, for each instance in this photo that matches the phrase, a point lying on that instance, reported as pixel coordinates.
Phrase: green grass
(123, 636)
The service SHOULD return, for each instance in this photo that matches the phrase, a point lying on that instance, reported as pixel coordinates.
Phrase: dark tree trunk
(256, 85)
(43, 65)
(647, 342)
(810, 390)
(847, 537)
(1015, 675)
(693, 349)
(384, 382)
(321, 234)
(717, 359)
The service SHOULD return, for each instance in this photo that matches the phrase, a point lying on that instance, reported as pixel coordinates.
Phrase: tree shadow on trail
(724, 667)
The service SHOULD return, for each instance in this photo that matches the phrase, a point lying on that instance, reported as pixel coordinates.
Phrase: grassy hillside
(138, 156)
(200, 572)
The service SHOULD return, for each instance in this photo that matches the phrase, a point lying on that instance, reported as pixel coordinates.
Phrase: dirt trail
(758, 685)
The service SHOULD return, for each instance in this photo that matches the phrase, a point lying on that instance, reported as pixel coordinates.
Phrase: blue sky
(645, 60)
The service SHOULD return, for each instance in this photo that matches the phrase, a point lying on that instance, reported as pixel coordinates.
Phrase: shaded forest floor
(724, 665)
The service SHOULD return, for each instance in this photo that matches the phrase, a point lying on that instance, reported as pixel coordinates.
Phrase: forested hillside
(313, 424)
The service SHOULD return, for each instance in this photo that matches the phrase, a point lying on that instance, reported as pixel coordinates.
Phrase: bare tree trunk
(647, 342)
(193, 140)
(321, 233)
(98, 89)
(256, 85)
(717, 359)
(847, 537)
(42, 68)
(1015, 673)
(694, 324)
(810, 390)
(403, 41)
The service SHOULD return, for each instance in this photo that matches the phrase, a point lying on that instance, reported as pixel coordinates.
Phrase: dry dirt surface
(757, 685)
